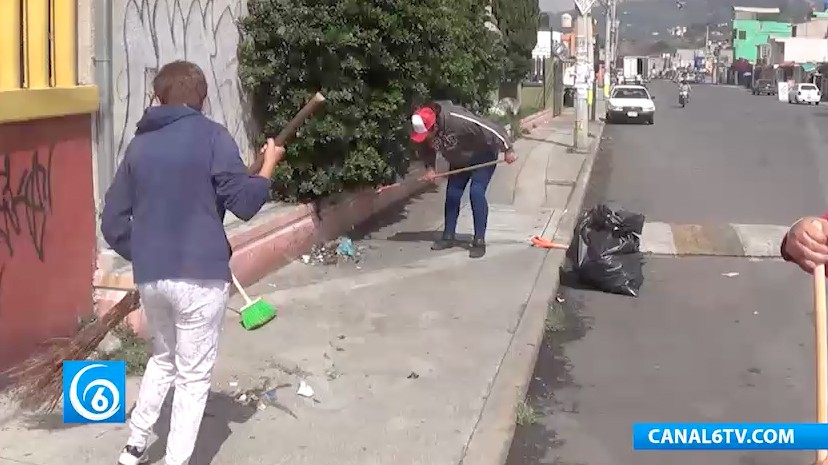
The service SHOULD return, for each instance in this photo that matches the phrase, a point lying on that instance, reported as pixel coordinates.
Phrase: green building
(752, 27)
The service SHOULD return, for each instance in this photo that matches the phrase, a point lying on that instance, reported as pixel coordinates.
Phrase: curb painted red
(277, 240)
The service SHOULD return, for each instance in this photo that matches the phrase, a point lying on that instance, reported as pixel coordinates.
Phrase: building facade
(754, 26)
(47, 231)
(75, 78)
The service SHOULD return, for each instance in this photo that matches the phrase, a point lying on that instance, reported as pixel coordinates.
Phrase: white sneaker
(131, 455)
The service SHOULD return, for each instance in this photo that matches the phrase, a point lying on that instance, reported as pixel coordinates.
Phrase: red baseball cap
(421, 122)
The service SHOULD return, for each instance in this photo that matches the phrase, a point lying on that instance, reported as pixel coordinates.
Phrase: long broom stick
(37, 382)
(448, 173)
(821, 327)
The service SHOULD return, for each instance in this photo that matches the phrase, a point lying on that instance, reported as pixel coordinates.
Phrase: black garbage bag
(605, 252)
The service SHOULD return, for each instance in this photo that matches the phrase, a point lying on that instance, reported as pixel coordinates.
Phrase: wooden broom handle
(821, 326)
(240, 289)
(468, 168)
(290, 129)
(446, 173)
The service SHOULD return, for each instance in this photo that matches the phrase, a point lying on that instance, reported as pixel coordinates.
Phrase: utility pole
(616, 36)
(582, 74)
(596, 65)
(608, 19)
(707, 45)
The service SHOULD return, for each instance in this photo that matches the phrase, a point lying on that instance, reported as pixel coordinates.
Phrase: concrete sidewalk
(408, 351)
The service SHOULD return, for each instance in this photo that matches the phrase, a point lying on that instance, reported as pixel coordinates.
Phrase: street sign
(584, 6)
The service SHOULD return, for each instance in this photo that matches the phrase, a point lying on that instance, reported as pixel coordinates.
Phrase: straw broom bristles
(37, 382)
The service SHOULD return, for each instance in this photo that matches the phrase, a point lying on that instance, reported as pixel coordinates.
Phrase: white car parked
(804, 93)
(628, 103)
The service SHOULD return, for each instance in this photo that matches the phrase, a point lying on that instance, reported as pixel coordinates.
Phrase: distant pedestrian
(164, 212)
(463, 139)
(806, 243)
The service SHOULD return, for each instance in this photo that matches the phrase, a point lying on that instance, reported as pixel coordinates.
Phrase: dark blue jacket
(164, 211)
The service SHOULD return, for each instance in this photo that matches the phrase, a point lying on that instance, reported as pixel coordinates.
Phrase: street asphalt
(709, 339)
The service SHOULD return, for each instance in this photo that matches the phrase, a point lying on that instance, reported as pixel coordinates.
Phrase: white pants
(184, 319)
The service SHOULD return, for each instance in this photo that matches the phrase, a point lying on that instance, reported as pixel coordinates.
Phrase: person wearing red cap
(806, 243)
(463, 139)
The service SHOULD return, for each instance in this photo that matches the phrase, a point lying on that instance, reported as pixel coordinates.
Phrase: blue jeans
(477, 194)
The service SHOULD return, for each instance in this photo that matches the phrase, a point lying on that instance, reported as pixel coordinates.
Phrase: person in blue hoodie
(164, 212)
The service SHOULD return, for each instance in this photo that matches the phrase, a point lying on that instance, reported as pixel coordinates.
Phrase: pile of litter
(334, 252)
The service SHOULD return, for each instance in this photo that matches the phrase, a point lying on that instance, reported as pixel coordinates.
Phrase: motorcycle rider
(684, 88)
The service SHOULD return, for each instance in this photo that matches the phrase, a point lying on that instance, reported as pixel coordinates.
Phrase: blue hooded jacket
(164, 211)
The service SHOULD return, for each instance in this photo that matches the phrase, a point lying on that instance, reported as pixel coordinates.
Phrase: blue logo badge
(94, 391)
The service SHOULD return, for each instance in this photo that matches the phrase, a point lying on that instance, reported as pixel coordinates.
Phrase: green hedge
(374, 60)
(518, 19)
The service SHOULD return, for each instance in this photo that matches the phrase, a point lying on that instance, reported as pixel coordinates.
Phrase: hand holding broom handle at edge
(290, 129)
(821, 342)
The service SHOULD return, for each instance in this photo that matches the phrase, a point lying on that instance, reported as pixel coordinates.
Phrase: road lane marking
(731, 240)
(657, 238)
(761, 240)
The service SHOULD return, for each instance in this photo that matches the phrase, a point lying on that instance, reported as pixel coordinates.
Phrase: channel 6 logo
(94, 391)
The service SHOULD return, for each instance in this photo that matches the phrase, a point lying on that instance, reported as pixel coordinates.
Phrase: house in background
(791, 59)
(684, 58)
(816, 27)
(547, 44)
(754, 26)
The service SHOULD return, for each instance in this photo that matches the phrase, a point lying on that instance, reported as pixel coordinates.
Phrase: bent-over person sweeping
(463, 139)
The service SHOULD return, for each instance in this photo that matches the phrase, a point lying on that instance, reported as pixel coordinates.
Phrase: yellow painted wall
(44, 83)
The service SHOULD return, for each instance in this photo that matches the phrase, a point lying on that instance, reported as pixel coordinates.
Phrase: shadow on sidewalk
(52, 421)
(391, 215)
(221, 410)
(463, 240)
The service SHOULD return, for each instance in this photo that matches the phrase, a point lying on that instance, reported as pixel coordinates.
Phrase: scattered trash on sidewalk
(305, 390)
(731, 274)
(331, 253)
(413, 375)
(605, 251)
(560, 299)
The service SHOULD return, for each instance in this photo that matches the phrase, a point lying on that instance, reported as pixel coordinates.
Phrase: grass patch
(133, 350)
(555, 318)
(525, 414)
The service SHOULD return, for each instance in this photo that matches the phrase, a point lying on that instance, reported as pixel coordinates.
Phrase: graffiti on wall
(25, 202)
(155, 32)
(47, 231)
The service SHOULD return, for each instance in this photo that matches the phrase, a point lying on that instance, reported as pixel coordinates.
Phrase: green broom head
(257, 314)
